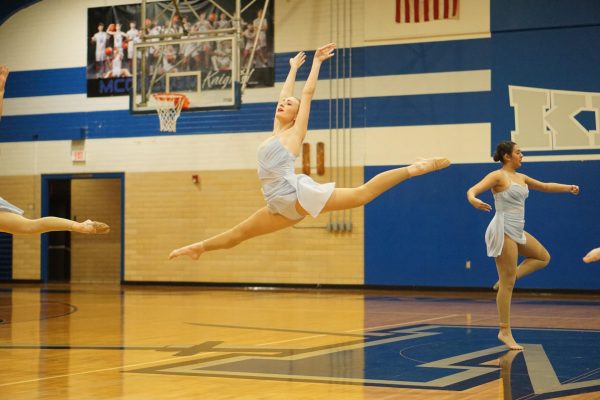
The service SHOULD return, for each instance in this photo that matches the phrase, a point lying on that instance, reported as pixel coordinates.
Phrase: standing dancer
(505, 236)
(11, 217)
(291, 197)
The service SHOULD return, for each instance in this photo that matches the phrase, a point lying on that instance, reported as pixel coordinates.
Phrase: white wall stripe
(375, 86)
(463, 144)
(403, 144)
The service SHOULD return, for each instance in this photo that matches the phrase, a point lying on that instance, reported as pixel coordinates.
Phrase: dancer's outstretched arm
(288, 87)
(295, 64)
(3, 77)
(322, 54)
(550, 187)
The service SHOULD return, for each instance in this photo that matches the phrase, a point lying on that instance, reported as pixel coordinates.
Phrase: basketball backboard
(201, 68)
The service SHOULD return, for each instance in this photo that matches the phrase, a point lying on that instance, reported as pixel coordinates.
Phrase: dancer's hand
(574, 189)
(592, 256)
(480, 205)
(324, 53)
(298, 60)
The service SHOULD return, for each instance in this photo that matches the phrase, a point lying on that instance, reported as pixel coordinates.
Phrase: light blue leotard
(509, 218)
(6, 206)
(281, 187)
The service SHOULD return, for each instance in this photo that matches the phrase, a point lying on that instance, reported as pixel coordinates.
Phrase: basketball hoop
(168, 107)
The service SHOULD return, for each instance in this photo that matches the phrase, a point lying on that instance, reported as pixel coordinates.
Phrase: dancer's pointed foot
(426, 165)
(194, 251)
(496, 286)
(91, 227)
(592, 256)
(507, 338)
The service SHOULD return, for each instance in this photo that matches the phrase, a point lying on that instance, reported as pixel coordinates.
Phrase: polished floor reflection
(111, 342)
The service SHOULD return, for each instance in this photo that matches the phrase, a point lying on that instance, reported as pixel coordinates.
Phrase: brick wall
(24, 192)
(166, 210)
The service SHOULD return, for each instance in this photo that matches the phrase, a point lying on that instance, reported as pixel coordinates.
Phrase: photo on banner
(113, 31)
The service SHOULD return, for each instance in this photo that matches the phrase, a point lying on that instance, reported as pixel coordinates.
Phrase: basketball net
(168, 107)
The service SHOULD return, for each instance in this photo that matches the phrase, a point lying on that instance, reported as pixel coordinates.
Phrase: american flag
(425, 10)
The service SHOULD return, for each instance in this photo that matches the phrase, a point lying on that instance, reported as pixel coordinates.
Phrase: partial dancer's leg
(536, 257)
(506, 264)
(593, 255)
(345, 198)
(19, 225)
(259, 223)
(3, 78)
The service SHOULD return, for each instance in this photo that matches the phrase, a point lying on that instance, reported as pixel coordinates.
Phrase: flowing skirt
(512, 225)
(6, 206)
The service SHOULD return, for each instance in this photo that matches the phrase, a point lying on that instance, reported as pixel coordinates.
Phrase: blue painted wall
(422, 232)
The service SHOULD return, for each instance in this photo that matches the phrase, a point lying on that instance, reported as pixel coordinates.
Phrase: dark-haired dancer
(11, 217)
(505, 236)
(291, 197)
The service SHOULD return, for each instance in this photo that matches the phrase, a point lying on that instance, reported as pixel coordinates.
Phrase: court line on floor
(98, 370)
(364, 329)
(195, 355)
(260, 328)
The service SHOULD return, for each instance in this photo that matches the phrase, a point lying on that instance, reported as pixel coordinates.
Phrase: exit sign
(78, 155)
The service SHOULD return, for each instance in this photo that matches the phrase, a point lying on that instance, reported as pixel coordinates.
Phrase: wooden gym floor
(130, 342)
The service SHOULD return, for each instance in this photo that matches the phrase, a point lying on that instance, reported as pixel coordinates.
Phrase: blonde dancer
(291, 197)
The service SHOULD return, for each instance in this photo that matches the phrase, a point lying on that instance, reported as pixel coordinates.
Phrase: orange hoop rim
(169, 96)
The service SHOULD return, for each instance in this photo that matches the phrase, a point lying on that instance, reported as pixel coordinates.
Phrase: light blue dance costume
(6, 206)
(509, 218)
(281, 187)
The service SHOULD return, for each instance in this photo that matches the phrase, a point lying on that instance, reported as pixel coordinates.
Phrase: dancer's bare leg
(506, 264)
(3, 77)
(346, 198)
(536, 257)
(263, 221)
(593, 255)
(259, 223)
(19, 225)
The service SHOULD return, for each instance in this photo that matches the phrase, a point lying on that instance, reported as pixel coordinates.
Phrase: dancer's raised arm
(288, 87)
(295, 64)
(322, 54)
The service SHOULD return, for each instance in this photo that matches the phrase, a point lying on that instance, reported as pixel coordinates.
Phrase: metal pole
(190, 34)
(237, 24)
(344, 166)
(350, 108)
(330, 107)
(144, 60)
(337, 109)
